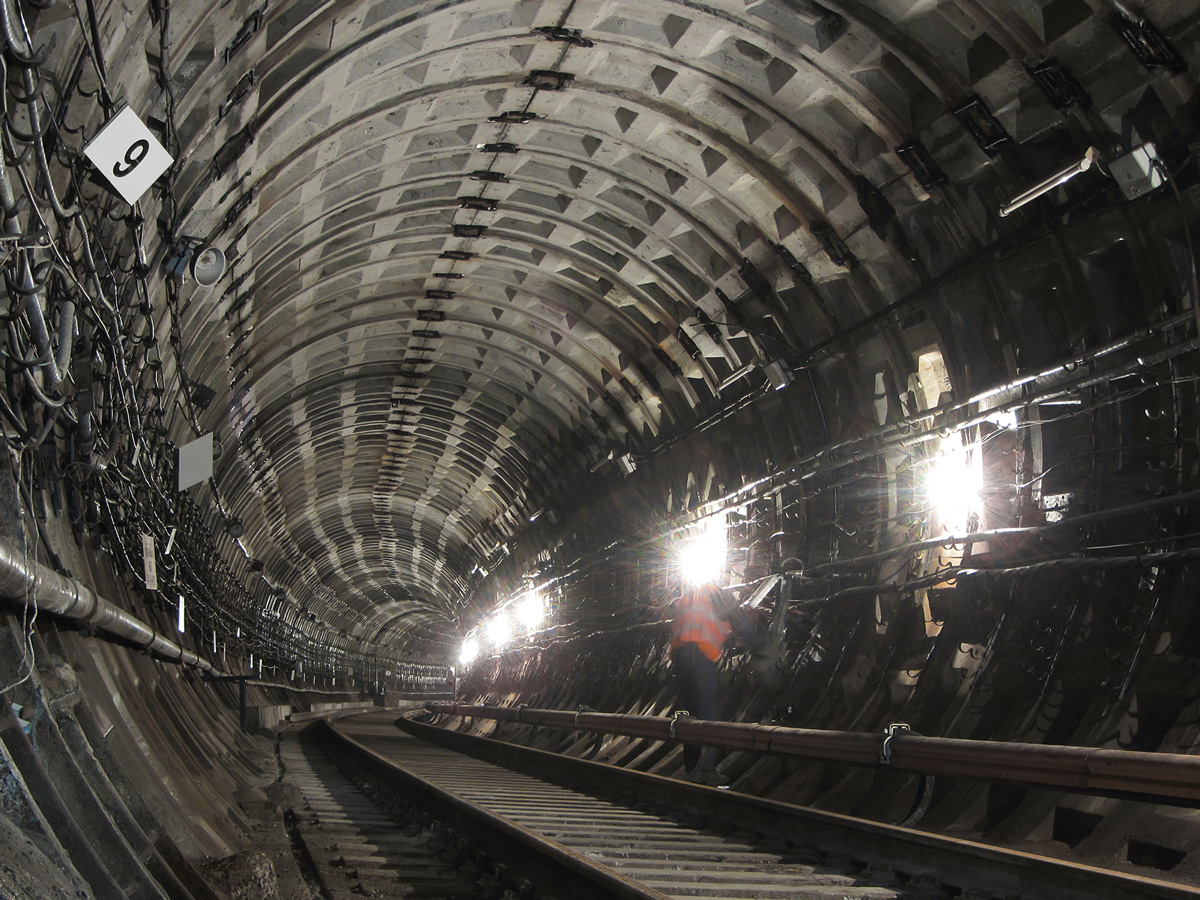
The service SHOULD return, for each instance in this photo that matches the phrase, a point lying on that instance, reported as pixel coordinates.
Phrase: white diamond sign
(128, 155)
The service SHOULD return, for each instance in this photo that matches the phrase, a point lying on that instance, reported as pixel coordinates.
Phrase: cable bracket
(674, 721)
(892, 731)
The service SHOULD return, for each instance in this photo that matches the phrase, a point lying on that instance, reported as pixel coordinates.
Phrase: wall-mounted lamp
(1044, 187)
(1137, 172)
(192, 256)
(778, 374)
(702, 558)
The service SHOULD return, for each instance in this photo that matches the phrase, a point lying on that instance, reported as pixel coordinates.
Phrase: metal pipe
(37, 324)
(30, 583)
(1158, 777)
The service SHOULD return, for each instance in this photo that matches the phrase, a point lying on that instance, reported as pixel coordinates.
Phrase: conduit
(30, 583)
(1158, 777)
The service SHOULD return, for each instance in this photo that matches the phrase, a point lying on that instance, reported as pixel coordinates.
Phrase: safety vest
(698, 621)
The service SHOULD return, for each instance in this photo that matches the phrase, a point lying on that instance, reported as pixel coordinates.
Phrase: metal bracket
(885, 749)
(674, 720)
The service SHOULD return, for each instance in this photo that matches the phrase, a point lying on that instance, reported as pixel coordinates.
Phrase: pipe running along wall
(32, 584)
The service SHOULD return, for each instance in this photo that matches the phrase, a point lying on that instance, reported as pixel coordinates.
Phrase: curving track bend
(553, 827)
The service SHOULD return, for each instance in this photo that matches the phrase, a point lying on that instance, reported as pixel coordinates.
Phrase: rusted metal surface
(1159, 777)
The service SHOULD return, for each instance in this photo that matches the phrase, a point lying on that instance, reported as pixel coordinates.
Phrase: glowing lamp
(531, 611)
(470, 650)
(952, 486)
(499, 630)
(702, 559)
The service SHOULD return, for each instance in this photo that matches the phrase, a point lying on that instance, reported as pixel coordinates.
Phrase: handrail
(1158, 777)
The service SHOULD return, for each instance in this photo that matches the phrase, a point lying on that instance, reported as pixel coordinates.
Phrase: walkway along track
(569, 828)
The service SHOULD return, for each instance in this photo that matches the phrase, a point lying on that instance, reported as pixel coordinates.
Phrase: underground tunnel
(362, 355)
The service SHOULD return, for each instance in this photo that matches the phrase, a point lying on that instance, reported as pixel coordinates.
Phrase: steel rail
(562, 871)
(882, 854)
(1153, 777)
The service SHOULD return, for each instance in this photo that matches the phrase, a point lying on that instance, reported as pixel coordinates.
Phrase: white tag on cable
(149, 564)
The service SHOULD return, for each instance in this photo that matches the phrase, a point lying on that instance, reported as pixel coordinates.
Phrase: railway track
(349, 847)
(546, 826)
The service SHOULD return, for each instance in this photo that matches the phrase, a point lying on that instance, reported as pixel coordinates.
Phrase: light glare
(530, 611)
(470, 650)
(499, 630)
(952, 486)
(702, 559)
(1004, 418)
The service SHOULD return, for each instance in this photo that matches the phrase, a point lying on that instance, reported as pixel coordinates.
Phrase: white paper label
(128, 155)
(149, 564)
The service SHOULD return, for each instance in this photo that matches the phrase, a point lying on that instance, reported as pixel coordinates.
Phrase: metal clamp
(521, 707)
(885, 749)
(582, 708)
(674, 720)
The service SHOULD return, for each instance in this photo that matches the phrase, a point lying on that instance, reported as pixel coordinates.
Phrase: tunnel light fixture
(702, 558)
(779, 375)
(457, 254)
(1044, 187)
(953, 482)
(469, 651)
(1139, 171)
(530, 611)
(491, 177)
(470, 231)
(431, 315)
(436, 294)
(499, 629)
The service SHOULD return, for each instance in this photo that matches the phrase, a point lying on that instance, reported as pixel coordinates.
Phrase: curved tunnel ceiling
(477, 246)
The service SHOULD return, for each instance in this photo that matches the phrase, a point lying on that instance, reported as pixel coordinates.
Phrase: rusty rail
(1159, 777)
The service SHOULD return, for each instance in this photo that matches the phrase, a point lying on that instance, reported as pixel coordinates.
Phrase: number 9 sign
(128, 155)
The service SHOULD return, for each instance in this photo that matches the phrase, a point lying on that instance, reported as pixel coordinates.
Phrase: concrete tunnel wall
(719, 188)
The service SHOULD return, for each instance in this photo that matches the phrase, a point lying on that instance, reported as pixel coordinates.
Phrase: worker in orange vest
(699, 631)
